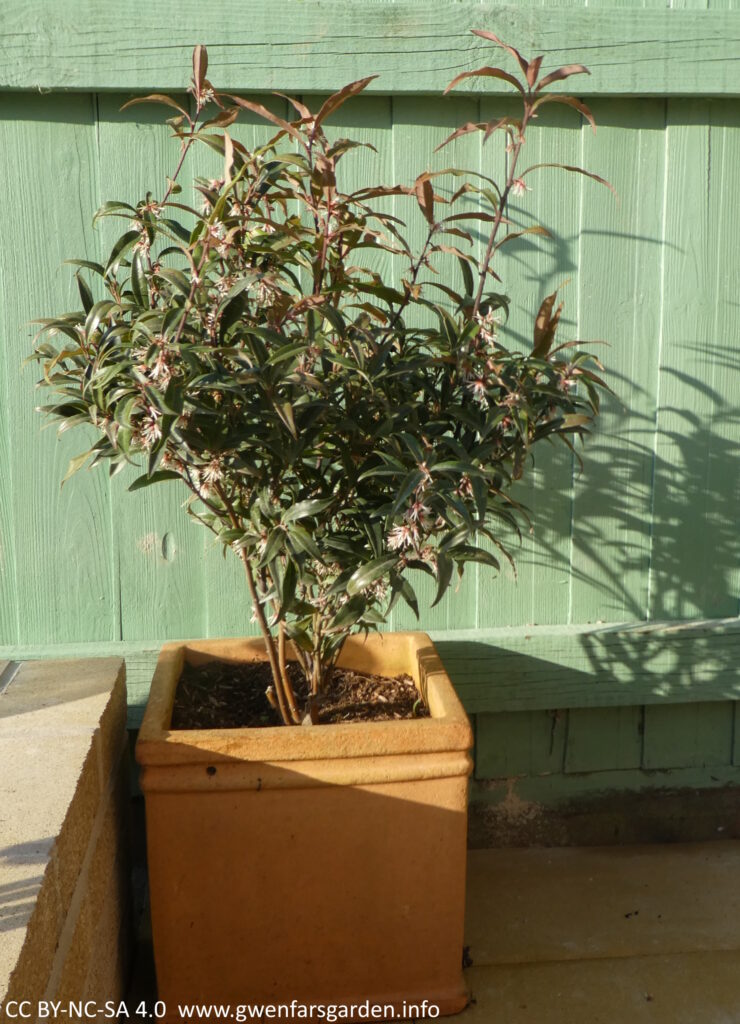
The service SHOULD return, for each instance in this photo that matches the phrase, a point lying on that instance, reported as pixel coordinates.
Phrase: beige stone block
(31, 919)
(74, 835)
(59, 723)
(104, 907)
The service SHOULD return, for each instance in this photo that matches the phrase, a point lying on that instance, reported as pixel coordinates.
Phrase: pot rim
(448, 728)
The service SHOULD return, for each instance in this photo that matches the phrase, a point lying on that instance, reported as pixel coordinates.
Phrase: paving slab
(533, 905)
(683, 988)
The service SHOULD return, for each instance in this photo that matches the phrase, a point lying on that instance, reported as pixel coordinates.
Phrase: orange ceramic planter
(322, 864)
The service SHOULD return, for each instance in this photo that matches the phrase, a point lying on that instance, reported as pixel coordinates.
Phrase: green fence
(647, 533)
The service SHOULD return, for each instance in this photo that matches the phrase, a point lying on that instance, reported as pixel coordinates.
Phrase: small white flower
(477, 387)
(519, 187)
(402, 536)
(161, 372)
(212, 472)
(416, 511)
(150, 430)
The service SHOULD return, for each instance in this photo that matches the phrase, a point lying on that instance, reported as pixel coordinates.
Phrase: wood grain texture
(517, 670)
(418, 128)
(520, 743)
(686, 736)
(603, 739)
(158, 553)
(531, 268)
(618, 301)
(695, 556)
(535, 670)
(64, 584)
(318, 46)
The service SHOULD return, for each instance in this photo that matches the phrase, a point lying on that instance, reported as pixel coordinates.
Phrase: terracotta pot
(324, 864)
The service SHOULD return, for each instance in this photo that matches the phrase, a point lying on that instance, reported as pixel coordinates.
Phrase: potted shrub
(335, 429)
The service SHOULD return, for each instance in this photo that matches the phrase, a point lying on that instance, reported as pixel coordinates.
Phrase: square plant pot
(323, 864)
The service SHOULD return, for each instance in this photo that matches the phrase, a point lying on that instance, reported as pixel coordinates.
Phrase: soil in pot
(224, 695)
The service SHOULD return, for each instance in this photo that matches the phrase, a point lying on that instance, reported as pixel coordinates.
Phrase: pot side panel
(247, 886)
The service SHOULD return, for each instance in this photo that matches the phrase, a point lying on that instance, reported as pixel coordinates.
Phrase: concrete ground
(597, 935)
(609, 935)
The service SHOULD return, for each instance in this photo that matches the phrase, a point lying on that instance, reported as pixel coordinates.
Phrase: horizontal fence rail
(319, 45)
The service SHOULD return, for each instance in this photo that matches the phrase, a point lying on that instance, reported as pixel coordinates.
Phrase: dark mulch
(223, 695)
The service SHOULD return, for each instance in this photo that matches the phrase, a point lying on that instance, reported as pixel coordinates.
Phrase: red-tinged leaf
(574, 170)
(493, 126)
(454, 251)
(464, 130)
(200, 67)
(155, 97)
(569, 101)
(379, 191)
(561, 73)
(533, 70)
(223, 119)
(545, 326)
(261, 111)
(335, 102)
(459, 234)
(299, 107)
(425, 197)
(509, 49)
(326, 174)
(486, 73)
(474, 215)
(535, 229)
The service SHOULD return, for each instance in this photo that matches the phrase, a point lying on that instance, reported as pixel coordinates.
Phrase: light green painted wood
(607, 667)
(539, 670)
(695, 559)
(554, 789)
(158, 552)
(649, 529)
(64, 582)
(686, 736)
(601, 739)
(521, 743)
(317, 46)
(417, 130)
(531, 268)
(618, 301)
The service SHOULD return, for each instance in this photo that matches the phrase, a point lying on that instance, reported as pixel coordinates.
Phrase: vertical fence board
(520, 743)
(619, 286)
(696, 546)
(419, 126)
(62, 536)
(531, 268)
(158, 551)
(688, 735)
(603, 738)
(228, 604)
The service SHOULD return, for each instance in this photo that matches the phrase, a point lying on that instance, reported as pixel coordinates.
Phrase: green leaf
(370, 572)
(302, 509)
(145, 480)
(76, 464)
(445, 566)
(85, 293)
